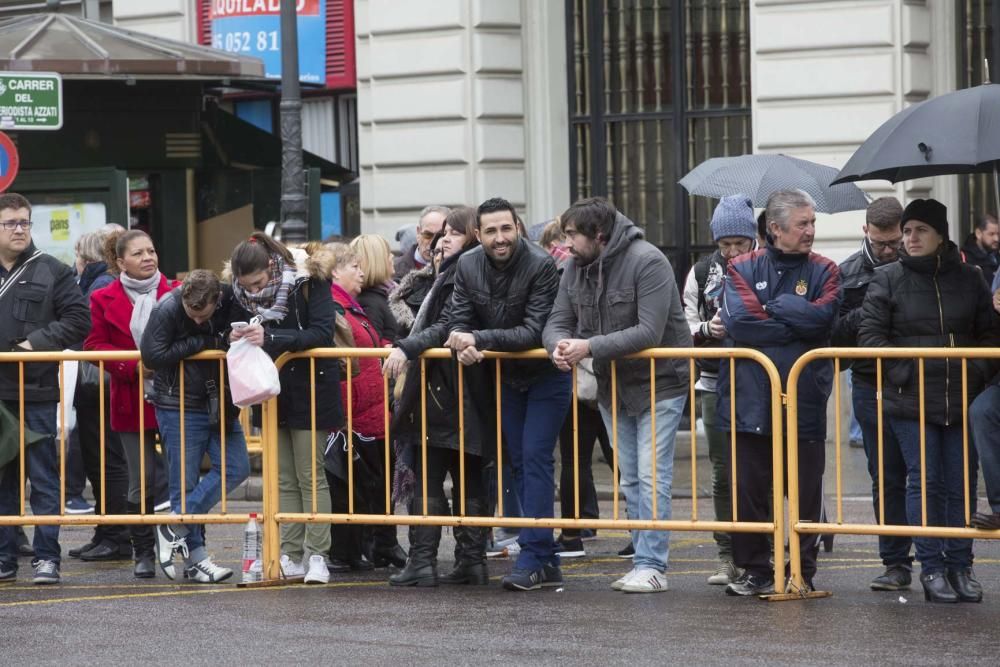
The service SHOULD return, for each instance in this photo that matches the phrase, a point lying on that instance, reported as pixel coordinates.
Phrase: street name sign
(30, 101)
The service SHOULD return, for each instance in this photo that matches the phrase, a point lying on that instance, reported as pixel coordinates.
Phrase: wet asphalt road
(100, 615)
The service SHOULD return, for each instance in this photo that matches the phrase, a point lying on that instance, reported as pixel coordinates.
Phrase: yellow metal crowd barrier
(839, 526)
(273, 516)
(100, 516)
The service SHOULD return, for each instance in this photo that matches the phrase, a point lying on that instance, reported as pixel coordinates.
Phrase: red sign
(9, 162)
(222, 9)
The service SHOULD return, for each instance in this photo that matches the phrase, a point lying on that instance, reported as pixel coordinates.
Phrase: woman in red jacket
(367, 423)
(119, 313)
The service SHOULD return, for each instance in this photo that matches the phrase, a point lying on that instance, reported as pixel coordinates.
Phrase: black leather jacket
(506, 307)
(171, 336)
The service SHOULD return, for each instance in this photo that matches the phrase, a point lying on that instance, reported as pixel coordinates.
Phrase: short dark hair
(884, 213)
(200, 288)
(982, 222)
(590, 217)
(14, 201)
(492, 206)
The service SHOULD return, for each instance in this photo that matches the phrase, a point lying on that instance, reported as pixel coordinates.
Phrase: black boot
(470, 551)
(937, 588)
(421, 564)
(965, 584)
(143, 543)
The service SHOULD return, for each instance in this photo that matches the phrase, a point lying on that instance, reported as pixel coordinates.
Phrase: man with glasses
(42, 310)
(880, 246)
(419, 254)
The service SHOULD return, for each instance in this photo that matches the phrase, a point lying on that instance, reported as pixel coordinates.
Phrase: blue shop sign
(253, 28)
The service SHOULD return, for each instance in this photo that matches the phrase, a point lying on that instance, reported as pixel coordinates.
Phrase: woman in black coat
(930, 298)
(430, 329)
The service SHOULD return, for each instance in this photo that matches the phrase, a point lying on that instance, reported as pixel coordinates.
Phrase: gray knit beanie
(734, 217)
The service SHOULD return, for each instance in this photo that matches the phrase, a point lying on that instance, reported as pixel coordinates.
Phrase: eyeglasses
(427, 235)
(879, 246)
(11, 225)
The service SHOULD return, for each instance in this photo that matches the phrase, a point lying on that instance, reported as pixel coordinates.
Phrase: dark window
(655, 88)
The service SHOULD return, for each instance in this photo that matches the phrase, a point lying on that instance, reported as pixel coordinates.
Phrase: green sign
(30, 101)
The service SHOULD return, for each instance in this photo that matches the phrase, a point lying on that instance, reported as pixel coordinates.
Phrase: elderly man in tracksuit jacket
(782, 301)
(618, 296)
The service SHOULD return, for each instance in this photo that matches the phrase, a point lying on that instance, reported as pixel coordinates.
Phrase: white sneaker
(318, 572)
(646, 580)
(290, 568)
(207, 572)
(620, 583)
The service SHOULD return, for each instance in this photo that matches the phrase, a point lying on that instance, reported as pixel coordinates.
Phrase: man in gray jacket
(618, 296)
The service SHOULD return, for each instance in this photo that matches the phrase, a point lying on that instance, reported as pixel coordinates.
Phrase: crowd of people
(590, 291)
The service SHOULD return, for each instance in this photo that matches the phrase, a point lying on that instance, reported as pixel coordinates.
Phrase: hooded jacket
(309, 323)
(46, 307)
(930, 301)
(111, 313)
(782, 305)
(442, 382)
(623, 302)
(506, 307)
(172, 336)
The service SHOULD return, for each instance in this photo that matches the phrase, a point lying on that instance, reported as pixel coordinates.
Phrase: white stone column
(441, 106)
(172, 19)
(825, 75)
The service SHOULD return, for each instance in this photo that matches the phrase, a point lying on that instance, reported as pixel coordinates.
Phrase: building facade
(543, 101)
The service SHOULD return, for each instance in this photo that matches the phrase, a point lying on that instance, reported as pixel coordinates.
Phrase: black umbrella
(957, 133)
(759, 175)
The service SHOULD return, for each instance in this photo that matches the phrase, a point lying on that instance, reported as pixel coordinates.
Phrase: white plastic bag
(253, 377)
(69, 371)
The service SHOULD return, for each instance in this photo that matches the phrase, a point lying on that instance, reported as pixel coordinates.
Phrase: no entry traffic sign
(9, 162)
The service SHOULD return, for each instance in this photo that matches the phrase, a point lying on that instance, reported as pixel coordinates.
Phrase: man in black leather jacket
(504, 291)
(191, 319)
(880, 247)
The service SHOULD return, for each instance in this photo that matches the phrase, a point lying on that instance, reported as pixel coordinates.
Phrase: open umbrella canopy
(760, 175)
(957, 133)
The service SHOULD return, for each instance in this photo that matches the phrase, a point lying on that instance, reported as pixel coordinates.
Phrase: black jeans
(754, 473)
(351, 541)
(441, 462)
(115, 482)
(590, 427)
(892, 550)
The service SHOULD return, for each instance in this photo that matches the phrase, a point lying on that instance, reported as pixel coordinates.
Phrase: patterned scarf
(271, 303)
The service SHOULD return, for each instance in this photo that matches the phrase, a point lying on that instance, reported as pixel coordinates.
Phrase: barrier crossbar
(274, 517)
(100, 517)
(839, 526)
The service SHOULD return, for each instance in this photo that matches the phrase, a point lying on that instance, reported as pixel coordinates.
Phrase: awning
(239, 143)
(78, 48)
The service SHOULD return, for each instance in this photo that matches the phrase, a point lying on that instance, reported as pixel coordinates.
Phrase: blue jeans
(892, 550)
(945, 497)
(532, 419)
(984, 418)
(635, 461)
(42, 470)
(199, 439)
(855, 433)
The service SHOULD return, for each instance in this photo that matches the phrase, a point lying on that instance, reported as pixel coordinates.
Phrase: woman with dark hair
(430, 329)
(930, 298)
(119, 314)
(290, 295)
